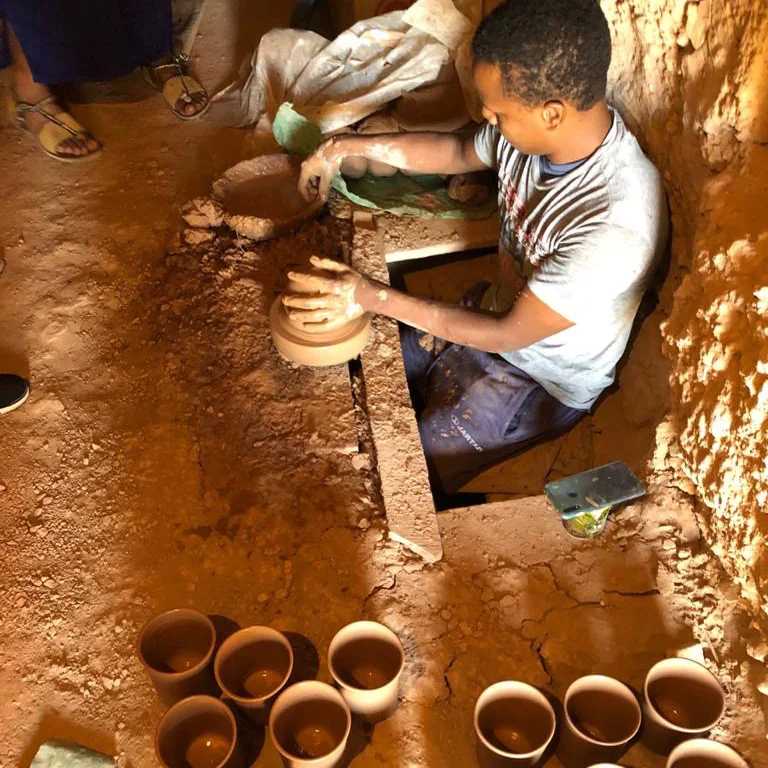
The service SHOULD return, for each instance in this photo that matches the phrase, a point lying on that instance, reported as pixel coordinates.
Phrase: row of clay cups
(515, 723)
(309, 722)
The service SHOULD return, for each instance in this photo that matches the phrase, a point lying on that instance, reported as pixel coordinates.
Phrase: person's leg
(192, 98)
(420, 350)
(30, 92)
(482, 410)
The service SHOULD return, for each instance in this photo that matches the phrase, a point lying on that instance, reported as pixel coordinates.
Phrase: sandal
(178, 86)
(58, 128)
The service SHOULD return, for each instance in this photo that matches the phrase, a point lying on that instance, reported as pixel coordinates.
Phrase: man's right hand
(319, 169)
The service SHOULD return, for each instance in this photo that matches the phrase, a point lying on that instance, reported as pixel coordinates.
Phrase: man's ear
(553, 113)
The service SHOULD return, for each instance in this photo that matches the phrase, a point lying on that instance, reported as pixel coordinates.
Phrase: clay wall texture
(691, 79)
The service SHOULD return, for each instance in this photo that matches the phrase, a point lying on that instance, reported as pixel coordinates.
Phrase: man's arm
(415, 152)
(343, 293)
(528, 321)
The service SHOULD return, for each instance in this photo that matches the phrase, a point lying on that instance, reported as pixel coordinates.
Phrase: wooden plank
(402, 469)
(409, 239)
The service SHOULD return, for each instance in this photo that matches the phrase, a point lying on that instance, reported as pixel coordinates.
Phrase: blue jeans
(474, 408)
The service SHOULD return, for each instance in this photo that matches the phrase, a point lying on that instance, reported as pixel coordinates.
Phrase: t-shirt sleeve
(486, 144)
(590, 271)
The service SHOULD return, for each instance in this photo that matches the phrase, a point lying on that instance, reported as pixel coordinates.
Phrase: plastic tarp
(336, 83)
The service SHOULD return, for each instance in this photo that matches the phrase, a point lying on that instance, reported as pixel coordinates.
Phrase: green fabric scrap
(65, 754)
(401, 195)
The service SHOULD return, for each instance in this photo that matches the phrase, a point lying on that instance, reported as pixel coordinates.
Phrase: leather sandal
(58, 128)
(179, 86)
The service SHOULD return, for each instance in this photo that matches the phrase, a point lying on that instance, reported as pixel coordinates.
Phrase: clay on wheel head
(317, 349)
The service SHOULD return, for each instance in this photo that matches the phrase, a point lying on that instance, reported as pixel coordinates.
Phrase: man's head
(538, 66)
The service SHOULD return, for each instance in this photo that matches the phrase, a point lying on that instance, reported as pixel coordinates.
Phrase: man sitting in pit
(583, 224)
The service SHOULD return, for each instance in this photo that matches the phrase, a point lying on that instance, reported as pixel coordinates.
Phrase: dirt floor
(168, 457)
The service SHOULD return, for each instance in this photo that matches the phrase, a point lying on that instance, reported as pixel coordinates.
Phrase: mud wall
(691, 78)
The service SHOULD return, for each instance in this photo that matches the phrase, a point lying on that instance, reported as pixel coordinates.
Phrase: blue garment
(86, 40)
(550, 169)
(474, 408)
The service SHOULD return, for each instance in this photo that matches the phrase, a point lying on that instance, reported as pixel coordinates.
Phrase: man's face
(525, 128)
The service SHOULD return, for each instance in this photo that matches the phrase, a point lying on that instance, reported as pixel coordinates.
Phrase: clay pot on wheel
(332, 347)
(260, 197)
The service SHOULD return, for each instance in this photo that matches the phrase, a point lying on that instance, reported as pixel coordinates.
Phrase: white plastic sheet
(337, 83)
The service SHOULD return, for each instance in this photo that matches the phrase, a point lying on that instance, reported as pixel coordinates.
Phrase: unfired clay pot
(602, 716)
(435, 107)
(252, 666)
(260, 197)
(198, 732)
(317, 349)
(683, 700)
(309, 725)
(176, 649)
(514, 725)
(366, 660)
(703, 753)
(381, 122)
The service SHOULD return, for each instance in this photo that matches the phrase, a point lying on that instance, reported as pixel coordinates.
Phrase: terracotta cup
(252, 666)
(198, 732)
(683, 700)
(309, 725)
(176, 648)
(703, 753)
(602, 716)
(366, 660)
(514, 724)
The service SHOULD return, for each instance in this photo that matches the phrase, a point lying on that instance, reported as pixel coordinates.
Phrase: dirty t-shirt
(586, 243)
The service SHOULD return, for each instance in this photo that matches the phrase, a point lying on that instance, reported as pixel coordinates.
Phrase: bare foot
(187, 104)
(32, 93)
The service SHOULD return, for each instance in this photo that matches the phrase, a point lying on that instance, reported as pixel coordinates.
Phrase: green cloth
(65, 754)
(401, 195)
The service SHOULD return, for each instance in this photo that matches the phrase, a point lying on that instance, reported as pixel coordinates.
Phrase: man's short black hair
(548, 50)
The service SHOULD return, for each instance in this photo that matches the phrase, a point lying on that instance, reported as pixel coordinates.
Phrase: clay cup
(309, 725)
(703, 753)
(176, 648)
(602, 716)
(251, 667)
(198, 732)
(683, 700)
(366, 660)
(514, 724)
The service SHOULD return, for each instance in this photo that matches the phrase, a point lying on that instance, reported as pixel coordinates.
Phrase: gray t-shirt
(586, 243)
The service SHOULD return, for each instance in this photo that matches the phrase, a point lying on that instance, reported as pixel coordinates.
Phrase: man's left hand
(330, 296)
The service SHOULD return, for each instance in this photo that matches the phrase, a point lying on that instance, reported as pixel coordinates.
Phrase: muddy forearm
(469, 327)
(414, 152)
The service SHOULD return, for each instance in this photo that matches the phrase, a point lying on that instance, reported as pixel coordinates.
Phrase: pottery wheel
(260, 197)
(317, 349)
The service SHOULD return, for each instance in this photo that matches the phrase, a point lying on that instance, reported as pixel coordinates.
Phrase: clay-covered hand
(319, 169)
(327, 298)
